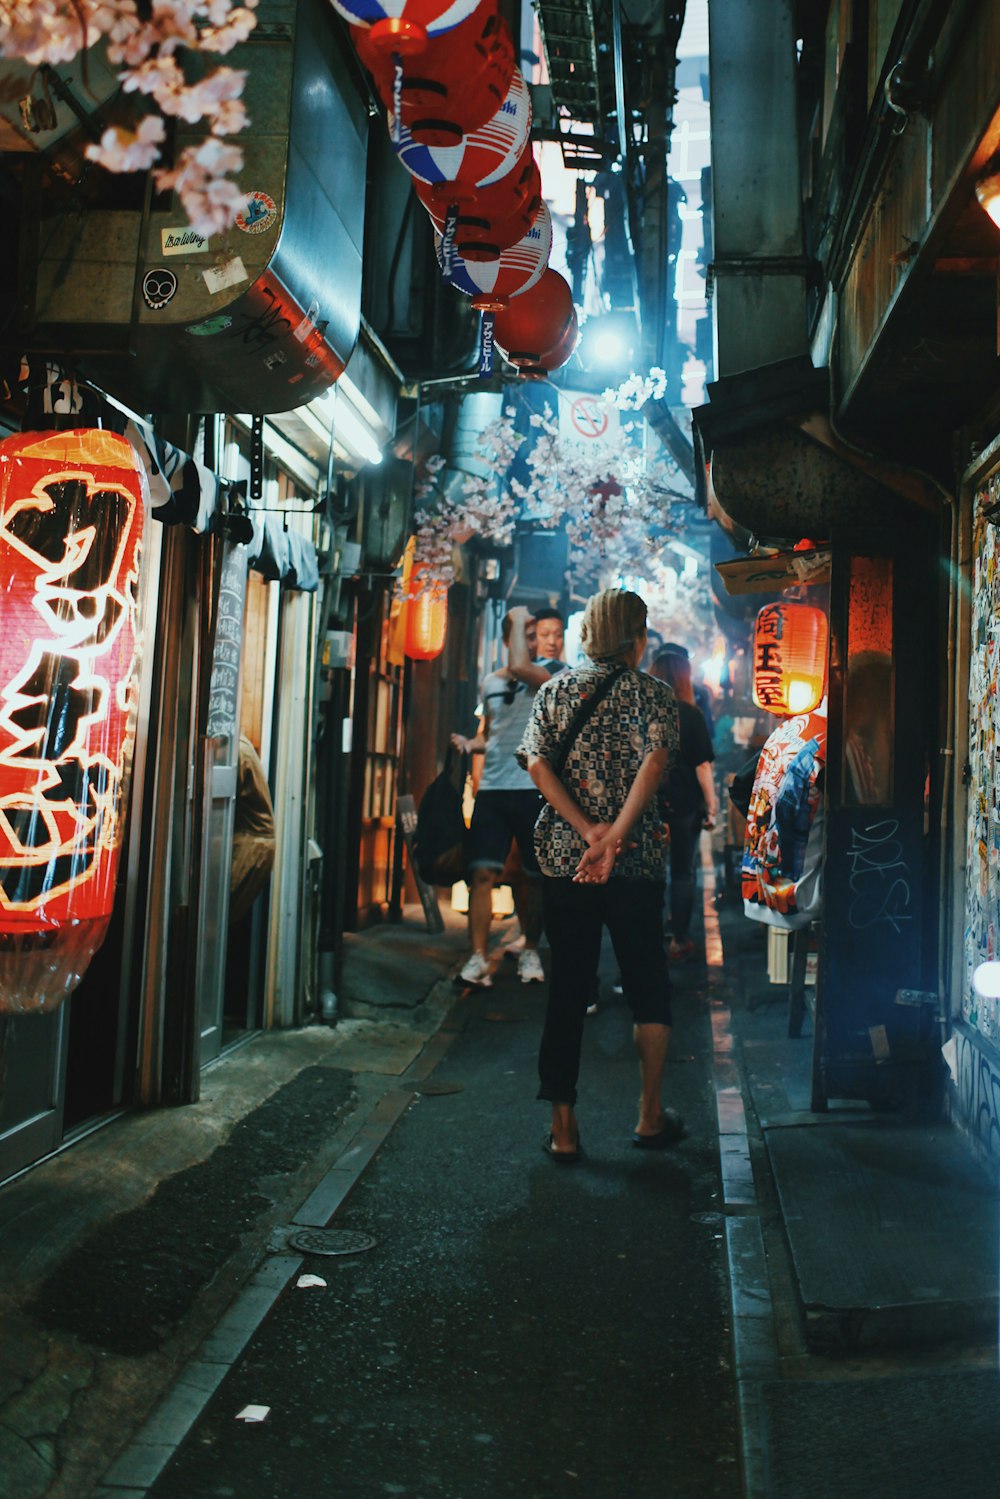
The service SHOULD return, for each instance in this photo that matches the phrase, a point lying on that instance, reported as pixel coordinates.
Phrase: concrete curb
(755, 1345)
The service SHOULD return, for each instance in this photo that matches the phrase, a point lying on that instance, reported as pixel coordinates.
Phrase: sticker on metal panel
(158, 287)
(257, 214)
(211, 325)
(230, 273)
(182, 242)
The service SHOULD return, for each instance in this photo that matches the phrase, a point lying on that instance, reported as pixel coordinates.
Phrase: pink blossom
(151, 54)
(201, 181)
(129, 151)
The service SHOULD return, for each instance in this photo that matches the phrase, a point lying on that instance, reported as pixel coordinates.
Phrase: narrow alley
(517, 1328)
(500, 554)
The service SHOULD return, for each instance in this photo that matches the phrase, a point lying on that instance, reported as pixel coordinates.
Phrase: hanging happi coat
(783, 849)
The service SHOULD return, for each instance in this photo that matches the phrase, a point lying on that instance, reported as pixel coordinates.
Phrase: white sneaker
(476, 970)
(529, 967)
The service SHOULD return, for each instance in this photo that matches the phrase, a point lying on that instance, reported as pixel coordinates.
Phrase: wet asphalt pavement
(521, 1327)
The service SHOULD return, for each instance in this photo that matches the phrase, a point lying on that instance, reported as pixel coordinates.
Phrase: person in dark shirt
(687, 797)
(702, 696)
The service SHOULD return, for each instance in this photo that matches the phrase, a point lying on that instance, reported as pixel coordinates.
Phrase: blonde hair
(612, 623)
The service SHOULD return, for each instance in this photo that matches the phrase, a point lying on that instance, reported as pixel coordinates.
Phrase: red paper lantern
(789, 658)
(404, 26)
(426, 617)
(454, 85)
(555, 358)
(538, 322)
(72, 511)
(483, 156)
(490, 219)
(492, 283)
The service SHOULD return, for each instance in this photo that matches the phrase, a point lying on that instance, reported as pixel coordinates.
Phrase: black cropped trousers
(575, 918)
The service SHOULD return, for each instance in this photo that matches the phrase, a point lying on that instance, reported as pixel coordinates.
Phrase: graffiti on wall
(982, 891)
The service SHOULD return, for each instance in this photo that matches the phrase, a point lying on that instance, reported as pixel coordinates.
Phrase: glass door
(33, 1049)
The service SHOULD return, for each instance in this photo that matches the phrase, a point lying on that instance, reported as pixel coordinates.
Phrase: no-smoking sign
(589, 416)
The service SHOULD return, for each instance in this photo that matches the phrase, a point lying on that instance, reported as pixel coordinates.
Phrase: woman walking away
(598, 742)
(687, 796)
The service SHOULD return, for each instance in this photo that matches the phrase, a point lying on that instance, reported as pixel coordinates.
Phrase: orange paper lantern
(789, 658)
(426, 617)
(72, 511)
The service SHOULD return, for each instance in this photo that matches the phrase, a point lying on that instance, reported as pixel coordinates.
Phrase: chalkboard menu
(224, 692)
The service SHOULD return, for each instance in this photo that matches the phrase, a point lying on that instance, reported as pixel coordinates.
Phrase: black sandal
(567, 1156)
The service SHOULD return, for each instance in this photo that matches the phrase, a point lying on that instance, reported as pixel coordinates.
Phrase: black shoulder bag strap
(580, 718)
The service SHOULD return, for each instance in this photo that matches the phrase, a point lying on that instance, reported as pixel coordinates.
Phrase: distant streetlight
(607, 342)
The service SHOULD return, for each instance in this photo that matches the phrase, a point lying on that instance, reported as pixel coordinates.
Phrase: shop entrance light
(988, 189)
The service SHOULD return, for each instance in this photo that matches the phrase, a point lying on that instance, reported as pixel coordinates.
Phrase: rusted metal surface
(881, 261)
(782, 483)
(916, 214)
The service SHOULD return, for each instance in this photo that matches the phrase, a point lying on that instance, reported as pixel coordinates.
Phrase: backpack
(439, 843)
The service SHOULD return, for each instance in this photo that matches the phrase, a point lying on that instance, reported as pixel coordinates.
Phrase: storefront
(974, 1052)
(224, 622)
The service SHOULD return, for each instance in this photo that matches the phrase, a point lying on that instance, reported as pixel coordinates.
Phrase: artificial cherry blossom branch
(611, 499)
(144, 46)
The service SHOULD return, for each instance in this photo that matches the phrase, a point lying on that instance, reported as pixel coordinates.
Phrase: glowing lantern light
(490, 219)
(789, 658)
(538, 322)
(72, 511)
(492, 283)
(454, 85)
(426, 617)
(404, 26)
(479, 158)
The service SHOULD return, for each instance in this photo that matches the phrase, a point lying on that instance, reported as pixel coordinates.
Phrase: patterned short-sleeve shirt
(638, 715)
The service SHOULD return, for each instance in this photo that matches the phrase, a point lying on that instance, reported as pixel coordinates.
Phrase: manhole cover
(330, 1241)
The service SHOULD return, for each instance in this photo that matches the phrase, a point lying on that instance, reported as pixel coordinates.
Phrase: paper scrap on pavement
(254, 1413)
(305, 1281)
